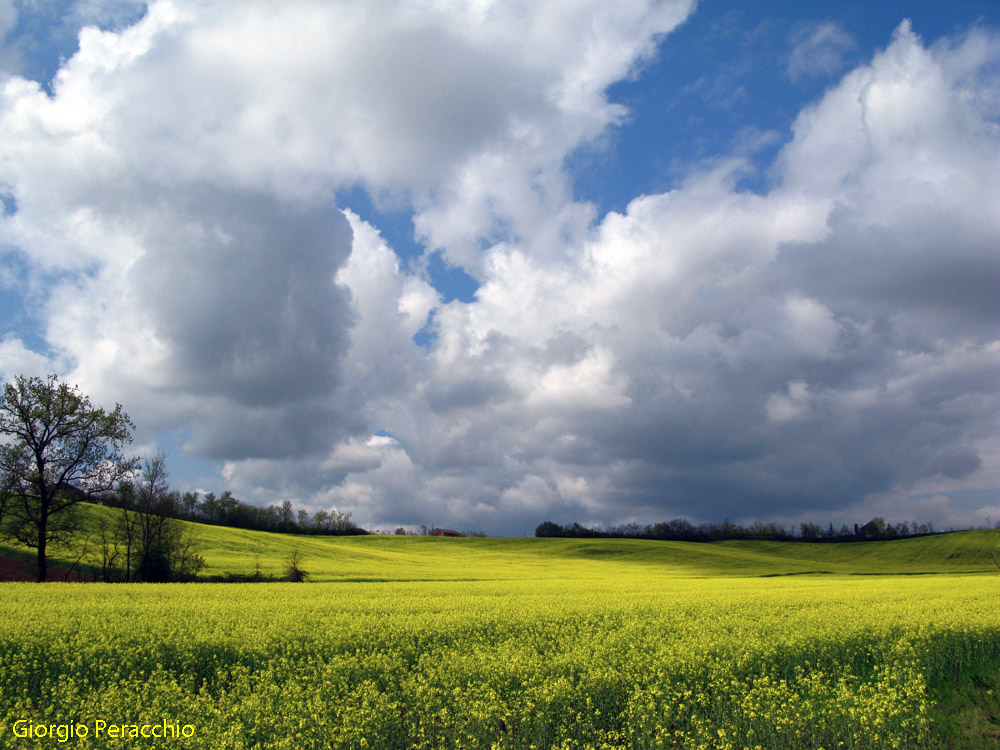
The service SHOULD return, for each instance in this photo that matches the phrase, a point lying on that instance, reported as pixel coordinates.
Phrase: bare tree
(153, 521)
(108, 551)
(59, 448)
(157, 546)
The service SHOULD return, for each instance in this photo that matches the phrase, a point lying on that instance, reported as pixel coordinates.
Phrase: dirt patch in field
(13, 569)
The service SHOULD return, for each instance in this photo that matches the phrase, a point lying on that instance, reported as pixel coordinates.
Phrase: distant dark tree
(287, 516)
(582, 532)
(810, 531)
(631, 530)
(400, 531)
(228, 509)
(58, 450)
(874, 528)
(210, 508)
(334, 522)
(549, 528)
(681, 529)
(659, 530)
(191, 504)
(768, 531)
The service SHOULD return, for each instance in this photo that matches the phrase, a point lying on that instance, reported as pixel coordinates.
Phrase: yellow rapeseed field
(638, 662)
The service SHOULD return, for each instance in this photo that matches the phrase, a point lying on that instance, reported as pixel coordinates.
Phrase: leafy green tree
(59, 448)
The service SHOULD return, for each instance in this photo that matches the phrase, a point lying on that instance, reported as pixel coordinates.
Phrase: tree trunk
(42, 562)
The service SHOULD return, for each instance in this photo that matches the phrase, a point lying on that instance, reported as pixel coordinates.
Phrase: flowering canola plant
(644, 662)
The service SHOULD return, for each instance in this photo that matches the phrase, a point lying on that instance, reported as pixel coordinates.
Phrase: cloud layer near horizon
(824, 346)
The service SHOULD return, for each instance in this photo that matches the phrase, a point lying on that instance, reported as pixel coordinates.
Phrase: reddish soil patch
(13, 569)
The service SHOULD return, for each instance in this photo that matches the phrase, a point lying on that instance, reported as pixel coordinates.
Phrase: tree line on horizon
(682, 530)
(226, 510)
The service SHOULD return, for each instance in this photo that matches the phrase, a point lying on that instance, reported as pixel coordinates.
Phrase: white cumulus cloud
(707, 351)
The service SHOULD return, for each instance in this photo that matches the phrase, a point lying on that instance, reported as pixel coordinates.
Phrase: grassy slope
(379, 558)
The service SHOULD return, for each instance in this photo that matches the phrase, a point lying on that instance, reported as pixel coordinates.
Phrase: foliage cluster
(605, 663)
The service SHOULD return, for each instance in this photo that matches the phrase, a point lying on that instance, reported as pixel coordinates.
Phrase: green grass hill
(403, 558)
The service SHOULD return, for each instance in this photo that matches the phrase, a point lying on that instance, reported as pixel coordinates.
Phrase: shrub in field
(293, 568)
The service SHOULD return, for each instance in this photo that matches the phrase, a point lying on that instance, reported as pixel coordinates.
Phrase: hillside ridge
(240, 552)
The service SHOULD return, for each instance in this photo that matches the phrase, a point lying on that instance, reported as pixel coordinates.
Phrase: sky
(480, 265)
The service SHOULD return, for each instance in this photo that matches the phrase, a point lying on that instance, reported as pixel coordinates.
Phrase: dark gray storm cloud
(241, 289)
